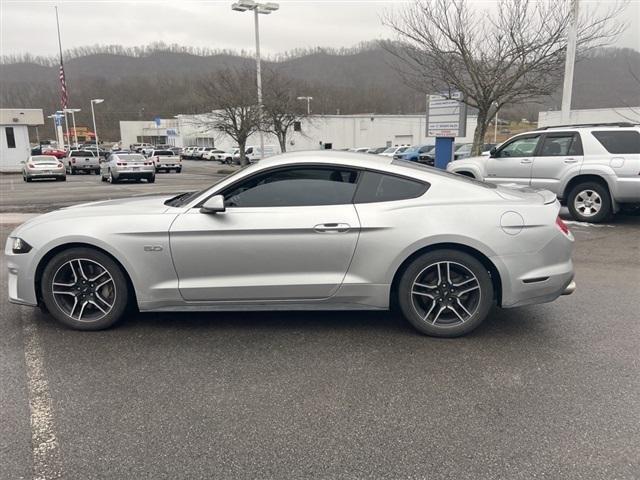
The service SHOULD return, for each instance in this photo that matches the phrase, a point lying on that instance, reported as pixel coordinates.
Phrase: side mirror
(23, 162)
(214, 204)
(492, 152)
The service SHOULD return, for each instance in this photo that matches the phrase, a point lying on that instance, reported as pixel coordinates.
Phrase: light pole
(495, 125)
(265, 9)
(54, 117)
(308, 99)
(569, 64)
(93, 116)
(73, 111)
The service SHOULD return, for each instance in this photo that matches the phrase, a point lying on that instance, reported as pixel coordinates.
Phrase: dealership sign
(446, 115)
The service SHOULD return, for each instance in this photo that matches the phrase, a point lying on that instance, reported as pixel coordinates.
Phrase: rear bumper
(538, 277)
(53, 174)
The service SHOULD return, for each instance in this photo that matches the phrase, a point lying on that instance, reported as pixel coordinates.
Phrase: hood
(516, 193)
(122, 206)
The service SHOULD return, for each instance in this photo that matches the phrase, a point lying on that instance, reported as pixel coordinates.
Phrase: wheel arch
(66, 246)
(582, 178)
(494, 274)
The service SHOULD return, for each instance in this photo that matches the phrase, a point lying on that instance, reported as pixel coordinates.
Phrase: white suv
(594, 169)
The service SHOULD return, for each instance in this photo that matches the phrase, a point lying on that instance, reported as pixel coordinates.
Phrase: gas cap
(511, 223)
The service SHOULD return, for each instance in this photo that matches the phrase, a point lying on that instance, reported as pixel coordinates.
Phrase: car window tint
(81, 153)
(620, 141)
(559, 145)
(162, 153)
(521, 147)
(379, 187)
(304, 186)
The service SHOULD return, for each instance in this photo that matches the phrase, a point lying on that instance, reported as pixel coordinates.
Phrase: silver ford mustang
(312, 230)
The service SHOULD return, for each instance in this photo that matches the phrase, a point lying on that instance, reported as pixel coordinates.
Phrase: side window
(521, 147)
(560, 145)
(248, 151)
(11, 137)
(380, 187)
(620, 141)
(292, 187)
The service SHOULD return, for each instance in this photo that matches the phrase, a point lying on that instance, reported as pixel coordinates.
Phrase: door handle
(332, 227)
(570, 160)
(525, 161)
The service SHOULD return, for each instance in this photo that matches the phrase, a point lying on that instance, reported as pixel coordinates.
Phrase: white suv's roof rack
(586, 125)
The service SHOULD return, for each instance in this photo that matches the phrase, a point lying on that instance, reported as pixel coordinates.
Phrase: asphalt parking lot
(547, 391)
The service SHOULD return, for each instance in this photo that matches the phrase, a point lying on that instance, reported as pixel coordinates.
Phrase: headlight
(20, 246)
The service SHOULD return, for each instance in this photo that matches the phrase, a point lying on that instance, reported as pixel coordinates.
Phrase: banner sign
(446, 115)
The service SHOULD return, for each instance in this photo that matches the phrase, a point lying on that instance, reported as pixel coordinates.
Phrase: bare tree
(515, 54)
(231, 94)
(281, 109)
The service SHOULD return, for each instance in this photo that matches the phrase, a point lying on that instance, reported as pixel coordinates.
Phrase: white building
(315, 132)
(595, 115)
(14, 135)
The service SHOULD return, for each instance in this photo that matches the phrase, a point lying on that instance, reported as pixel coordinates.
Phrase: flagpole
(63, 80)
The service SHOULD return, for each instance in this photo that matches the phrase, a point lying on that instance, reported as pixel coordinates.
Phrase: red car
(55, 152)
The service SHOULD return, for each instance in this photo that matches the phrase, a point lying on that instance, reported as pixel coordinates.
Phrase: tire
(27, 179)
(590, 202)
(424, 298)
(97, 172)
(151, 179)
(86, 304)
(112, 179)
(178, 170)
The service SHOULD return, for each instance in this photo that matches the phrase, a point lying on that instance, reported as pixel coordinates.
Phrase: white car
(359, 149)
(127, 166)
(253, 153)
(391, 151)
(137, 147)
(212, 154)
(43, 166)
(165, 160)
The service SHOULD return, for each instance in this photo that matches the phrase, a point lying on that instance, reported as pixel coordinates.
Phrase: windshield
(162, 153)
(81, 153)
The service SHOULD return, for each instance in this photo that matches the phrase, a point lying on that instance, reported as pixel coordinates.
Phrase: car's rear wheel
(590, 202)
(84, 289)
(445, 293)
(151, 179)
(111, 178)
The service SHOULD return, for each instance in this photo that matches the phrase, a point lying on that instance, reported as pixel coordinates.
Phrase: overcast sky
(29, 26)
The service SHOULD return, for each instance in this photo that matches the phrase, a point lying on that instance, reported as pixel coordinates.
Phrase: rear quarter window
(619, 141)
(380, 187)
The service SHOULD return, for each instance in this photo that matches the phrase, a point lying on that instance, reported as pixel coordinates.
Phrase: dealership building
(312, 133)
(14, 135)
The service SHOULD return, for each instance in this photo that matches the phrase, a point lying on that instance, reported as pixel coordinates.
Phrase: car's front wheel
(590, 202)
(84, 289)
(445, 293)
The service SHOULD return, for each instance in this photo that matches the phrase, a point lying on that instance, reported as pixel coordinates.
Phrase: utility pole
(567, 88)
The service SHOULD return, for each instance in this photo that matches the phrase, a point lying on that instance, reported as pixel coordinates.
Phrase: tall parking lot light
(73, 111)
(265, 9)
(93, 115)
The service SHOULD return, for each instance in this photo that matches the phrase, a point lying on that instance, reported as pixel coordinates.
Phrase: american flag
(63, 88)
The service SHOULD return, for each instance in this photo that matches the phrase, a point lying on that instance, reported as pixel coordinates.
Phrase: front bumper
(21, 284)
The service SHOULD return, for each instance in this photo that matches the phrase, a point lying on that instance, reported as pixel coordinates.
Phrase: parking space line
(47, 463)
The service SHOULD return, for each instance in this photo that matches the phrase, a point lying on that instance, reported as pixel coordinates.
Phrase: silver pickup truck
(594, 169)
(165, 161)
(81, 161)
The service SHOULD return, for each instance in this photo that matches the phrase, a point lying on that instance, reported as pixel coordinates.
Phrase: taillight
(73, 160)
(562, 226)
(60, 165)
(120, 164)
(31, 165)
